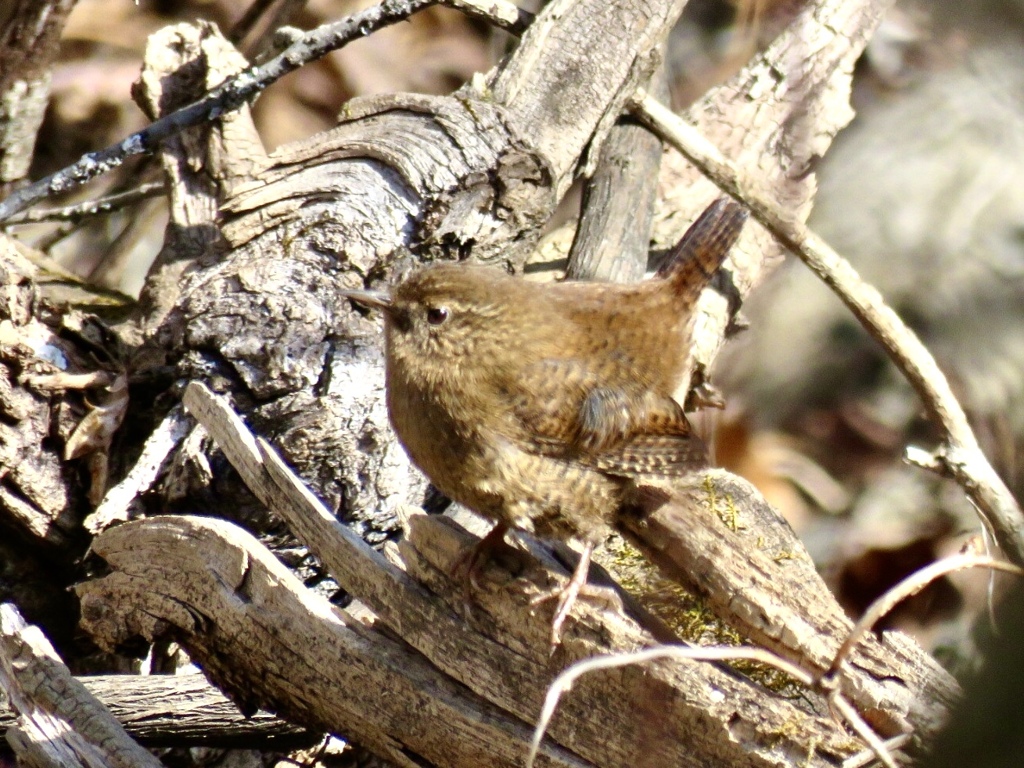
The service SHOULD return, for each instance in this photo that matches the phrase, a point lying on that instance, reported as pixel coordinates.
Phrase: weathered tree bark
(29, 41)
(720, 538)
(185, 711)
(60, 724)
(773, 120)
(467, 694)
(613, 234)
(246, 298)
(35, 487)
(56, 367)
(167, 571)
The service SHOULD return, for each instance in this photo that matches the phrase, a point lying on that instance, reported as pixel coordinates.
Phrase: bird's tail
(693, 261)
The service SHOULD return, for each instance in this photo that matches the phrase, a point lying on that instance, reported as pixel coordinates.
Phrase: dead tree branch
(500, 655)
(60, 722)
(29, 41)
(184, 710)
(961, 456)
(232, 94)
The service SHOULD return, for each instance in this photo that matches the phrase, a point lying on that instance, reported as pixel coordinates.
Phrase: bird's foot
(567, 595)
(468, 566)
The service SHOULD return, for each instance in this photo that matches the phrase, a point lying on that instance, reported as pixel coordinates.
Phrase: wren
(541, 406)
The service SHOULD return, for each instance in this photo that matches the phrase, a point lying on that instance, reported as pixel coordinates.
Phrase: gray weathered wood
(184, 711)
(60, 723)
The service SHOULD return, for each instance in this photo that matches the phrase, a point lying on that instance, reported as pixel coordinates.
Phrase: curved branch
(961, 456)
(236, 91)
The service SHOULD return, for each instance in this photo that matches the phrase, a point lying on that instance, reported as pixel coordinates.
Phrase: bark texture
(29, 40)
(246, 298)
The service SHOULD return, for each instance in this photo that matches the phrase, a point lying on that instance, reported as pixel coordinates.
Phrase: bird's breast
(443, 429)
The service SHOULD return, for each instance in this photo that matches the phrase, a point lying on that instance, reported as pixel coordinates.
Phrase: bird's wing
(564, 410)
(665, 455)
(632, 434)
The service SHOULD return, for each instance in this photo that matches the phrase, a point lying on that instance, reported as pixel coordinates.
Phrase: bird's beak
(371, 299)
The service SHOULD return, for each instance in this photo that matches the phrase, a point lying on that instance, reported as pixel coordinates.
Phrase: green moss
(725, 508)
(685, 613)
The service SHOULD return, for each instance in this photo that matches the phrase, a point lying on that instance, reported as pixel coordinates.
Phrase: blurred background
(924, 192)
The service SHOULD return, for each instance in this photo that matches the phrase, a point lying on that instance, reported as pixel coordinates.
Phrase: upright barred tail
(700, 252)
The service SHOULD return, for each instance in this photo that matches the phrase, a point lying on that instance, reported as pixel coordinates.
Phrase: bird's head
(446, 316)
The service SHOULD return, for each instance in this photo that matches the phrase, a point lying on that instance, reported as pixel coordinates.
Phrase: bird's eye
(437, 315)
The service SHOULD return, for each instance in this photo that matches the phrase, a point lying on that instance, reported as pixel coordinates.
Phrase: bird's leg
(470, 562)
(567, 595)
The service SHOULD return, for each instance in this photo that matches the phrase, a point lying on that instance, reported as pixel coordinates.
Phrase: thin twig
(238, 90)
(960, 456)
(852, 716)
(564, 681)
(103, 205)
(867, 756)
(909, 586)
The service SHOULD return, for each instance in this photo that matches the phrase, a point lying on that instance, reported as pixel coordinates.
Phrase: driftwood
(168, 572)
(60, 722)
(498, 662)
(171, 710)
(245, 298)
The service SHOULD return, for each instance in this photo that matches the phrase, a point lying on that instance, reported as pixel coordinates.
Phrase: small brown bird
(540, 406)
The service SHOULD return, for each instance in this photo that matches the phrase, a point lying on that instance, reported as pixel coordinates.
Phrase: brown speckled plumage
(537, 405)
